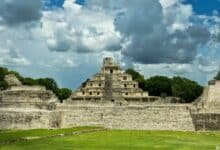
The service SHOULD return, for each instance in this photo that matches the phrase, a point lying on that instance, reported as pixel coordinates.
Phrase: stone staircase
(108, 87)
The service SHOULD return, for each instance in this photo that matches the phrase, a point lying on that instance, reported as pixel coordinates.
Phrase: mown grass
(8, 136)
(112, 140)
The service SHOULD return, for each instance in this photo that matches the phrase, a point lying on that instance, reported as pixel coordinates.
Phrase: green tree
(159, 86)
(217, 77)
(49, 83)
(3, 72)
(186, 89)
(29, 81)
(3, 85)
(63, 94)
(137, 77)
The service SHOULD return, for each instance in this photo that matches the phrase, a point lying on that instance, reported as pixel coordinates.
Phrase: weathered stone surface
(206, 121)
(206, 115)
(164, 117)
(27, 97)
(24, 119)
(110, 84)
(12, 80)
(210, 100)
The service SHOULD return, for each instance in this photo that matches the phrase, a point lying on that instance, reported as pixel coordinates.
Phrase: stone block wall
(176, 117)
(164, 117)
(206, 121)
(24, 119)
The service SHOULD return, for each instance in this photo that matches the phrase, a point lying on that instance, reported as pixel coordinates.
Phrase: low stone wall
(147, 117)
(115, 117)
(24, 119)
(206, 121)
(175, 117)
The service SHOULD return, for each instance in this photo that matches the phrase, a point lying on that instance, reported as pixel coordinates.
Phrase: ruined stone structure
(110, 85)
(25, 107)
(12, 80)
(110, 99)
(206, 115)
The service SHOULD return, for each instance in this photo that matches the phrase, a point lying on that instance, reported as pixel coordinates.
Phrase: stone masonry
(111, 84)
(206, 115)
(109, 99)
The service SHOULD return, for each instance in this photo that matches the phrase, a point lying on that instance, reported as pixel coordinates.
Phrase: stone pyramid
(110, 84)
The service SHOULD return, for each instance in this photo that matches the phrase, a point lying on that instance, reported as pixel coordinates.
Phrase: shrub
(159, 86)
(186, 89)
(63, 94)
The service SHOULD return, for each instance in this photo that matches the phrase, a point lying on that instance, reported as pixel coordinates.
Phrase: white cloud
(80, 30)
(168, 3)
(12, 58)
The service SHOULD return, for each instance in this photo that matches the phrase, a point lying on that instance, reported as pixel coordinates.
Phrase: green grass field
(92, 138)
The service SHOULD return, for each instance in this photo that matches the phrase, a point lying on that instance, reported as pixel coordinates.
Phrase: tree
(186, 89)
(3, 85)
(137, 77)
(217, 77)
(49, 83)
(159, 86)
(63, 93)
(29, 81)
(3, 72)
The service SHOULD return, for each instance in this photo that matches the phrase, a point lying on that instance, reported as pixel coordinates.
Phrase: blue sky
(204, 7)
(170, 37)
(59, 3)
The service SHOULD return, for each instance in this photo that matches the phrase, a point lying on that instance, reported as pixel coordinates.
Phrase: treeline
(217, 77)
(48, 83)
(163, 86)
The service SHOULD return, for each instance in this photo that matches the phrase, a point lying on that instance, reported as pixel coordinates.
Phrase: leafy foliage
(159, 86)
(3, 83)
(29, 81)
(63, 93)
(184, 88)
(49, 83)
(217, 77)
(3, 72)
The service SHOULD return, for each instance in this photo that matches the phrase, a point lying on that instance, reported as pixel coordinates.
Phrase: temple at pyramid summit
(111, 84)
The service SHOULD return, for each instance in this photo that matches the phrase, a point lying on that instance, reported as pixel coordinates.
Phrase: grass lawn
(87, 138)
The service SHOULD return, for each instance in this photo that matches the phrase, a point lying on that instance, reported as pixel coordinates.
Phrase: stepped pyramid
(19, 96)
(210, 100)
(111, 84)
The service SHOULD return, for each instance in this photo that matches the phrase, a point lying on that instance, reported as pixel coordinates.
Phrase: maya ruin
(109, 99)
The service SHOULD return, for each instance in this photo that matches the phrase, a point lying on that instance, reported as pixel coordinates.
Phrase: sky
(67, 39)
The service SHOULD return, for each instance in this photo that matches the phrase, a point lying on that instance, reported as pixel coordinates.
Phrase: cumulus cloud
(79, 30)
(155, 31)
(205, 65)
(181, 69)
(14, 12)
(150, 41)
(12, 58)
